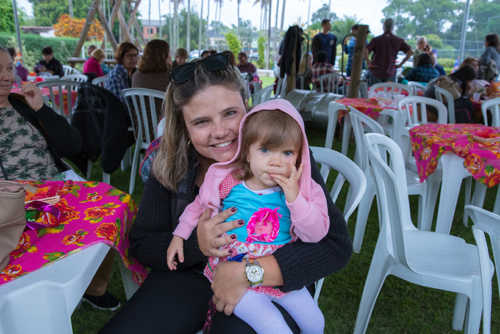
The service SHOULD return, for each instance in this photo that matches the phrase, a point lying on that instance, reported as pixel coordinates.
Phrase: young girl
(268, 183)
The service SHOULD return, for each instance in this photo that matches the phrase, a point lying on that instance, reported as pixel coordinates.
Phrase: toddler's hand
(175, 248)
(290, 184)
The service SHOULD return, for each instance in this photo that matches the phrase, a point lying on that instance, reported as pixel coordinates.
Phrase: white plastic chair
(329, 83)
(361, 125)
(333, 115)
(489, 222)
(262, 95)
(416, 88)
(333, 160)
(142, 105)
(68, 70)
(443, 96)
(428, 259)
(76, 77)
(491, 107)
(57, 95)
(99, 81)
(281, 87)
(43, 301)
(388, 89)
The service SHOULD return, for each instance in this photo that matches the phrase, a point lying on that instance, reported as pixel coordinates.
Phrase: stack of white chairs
(429, 259)
(281, 87)
(297, 97)
(347, 170)
(142, 105)
(417, 89)
(99, 81)
(445, 97)
(330, 83)
(361, 125)
(262, 95)
(68, 70)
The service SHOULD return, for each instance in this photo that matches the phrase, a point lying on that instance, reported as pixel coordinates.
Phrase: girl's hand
(229, 285)
(290, 184)
(33, 96)
(211, 232)
(175, 248)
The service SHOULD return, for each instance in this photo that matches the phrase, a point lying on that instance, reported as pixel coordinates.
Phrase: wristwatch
(254, 273)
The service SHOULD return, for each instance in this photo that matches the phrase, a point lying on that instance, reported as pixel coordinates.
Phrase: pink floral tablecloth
(478, 145)
(370, 107)
(89, 212)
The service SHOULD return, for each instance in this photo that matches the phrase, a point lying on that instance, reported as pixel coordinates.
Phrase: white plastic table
(43, 301)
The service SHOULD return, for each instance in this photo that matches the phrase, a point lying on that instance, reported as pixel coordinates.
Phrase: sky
(368, 11)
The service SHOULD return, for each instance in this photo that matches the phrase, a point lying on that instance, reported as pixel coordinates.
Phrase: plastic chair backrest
(416, 88)
(415, 110)
(329, 83)
(60, 103)
(262, 95)
(142, 106)
(99, 81)
(301, 79)
(330, 159)
(362, 124)
(333, 114)
(281, 87)
(76, 77)
(493, 107)
(388, 167)
(388, 88)
(68, 70)
(443, 96)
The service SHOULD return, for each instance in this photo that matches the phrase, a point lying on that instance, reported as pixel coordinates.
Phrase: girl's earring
(189, 142)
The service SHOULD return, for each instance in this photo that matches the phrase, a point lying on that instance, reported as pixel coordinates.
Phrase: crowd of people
(241, 159)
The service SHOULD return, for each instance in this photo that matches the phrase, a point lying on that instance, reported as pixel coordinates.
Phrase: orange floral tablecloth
(368, 106)
(88, 213)
(477, 144)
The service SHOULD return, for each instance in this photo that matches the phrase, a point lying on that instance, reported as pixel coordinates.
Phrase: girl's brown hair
(122, 49)
(155, 57)
(271, 129)
(171, 163)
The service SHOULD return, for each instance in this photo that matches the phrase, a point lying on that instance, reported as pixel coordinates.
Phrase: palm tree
(238, 3)
(277, 13)
(283, 15)
(200, 26)
(309, 13)
(188, 27)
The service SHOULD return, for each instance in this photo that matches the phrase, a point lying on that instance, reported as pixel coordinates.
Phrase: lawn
(401, 307)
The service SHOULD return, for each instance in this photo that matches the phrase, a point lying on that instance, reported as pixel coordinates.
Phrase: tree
(261, 48)
(7, 19)
(233, 43)
(47, 12)
(248, 33)
(194, 22)
(72, 27)
(342, 27)
(321, 14)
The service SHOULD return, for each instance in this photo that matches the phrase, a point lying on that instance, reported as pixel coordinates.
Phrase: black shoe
(106, 302)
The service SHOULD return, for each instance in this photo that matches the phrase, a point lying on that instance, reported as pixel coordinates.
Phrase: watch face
(254, 273)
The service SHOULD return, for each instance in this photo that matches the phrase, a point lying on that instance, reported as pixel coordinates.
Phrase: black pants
(174, 303)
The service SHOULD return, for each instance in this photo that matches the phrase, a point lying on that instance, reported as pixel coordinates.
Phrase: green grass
(401, 307)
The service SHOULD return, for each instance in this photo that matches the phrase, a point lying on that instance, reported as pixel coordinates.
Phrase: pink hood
(218, 171)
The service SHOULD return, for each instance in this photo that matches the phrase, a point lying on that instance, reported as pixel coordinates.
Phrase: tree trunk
(114, 13)
(208, 24)
(70, 8)
(277, 14)
(188, 28)
(200, 27)
(357, 60)
(269, 28)
(238, 2)
(309, 13)
(86, 27)
(283, 6)
(170, 24)
(108, 32)
(159, 16)
(329, 6)
(176, 24)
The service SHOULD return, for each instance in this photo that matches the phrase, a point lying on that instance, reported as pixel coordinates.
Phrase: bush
(261, 48)
(446, 62)
(233, 43)
(33, 44)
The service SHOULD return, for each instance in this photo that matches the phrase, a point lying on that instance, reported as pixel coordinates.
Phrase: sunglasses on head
(184, 73)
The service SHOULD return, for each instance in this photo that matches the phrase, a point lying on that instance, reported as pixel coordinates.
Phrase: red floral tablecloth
(46, 92)
(370, 107)
(479, 145)
(89, 212)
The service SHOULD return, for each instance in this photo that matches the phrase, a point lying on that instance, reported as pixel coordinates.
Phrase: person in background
(207, 53)
(424, 72)
(319, 68)
(154, 67)
(489, 62)
(424, 47)
(21, 71)
(477, 85)
(119, 77)
(90, 49)
(247, 67)
(181, 56)
(92, 66)
(49, 64)
(305, 71)
(325, 41)
(385, 48)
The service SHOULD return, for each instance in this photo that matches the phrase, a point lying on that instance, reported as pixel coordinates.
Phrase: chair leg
(89, 169)
(106, 178)
(474, 314)
(496, 208)
(467, 199)
(317, 289)
(346, 135)
(133, 171)
(461, 301)
(373, 284)
(495, 248)
(431, 194)
(362, 216)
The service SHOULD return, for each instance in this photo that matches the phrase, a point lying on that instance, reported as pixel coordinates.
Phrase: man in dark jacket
(325, 41)
(49, 63)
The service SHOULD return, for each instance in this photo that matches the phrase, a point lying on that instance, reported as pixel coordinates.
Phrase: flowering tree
(72, 27)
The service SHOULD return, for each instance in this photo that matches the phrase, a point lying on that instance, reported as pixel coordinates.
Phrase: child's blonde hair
(272, 129)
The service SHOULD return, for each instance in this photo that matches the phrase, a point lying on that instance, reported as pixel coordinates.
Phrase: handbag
(12, 218)
(450, 85)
